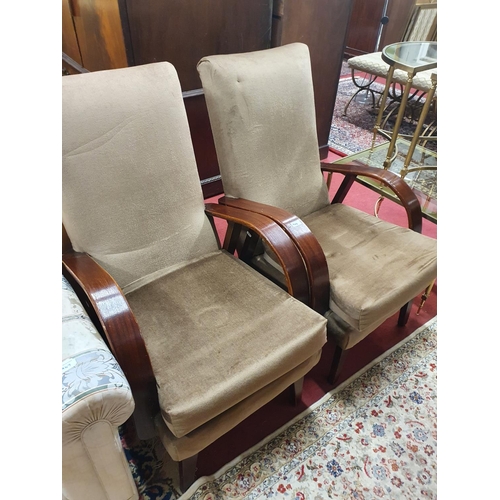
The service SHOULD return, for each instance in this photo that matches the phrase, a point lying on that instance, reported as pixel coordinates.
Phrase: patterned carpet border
(297, 461)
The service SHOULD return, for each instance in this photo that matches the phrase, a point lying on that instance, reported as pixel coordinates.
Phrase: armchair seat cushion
(192, 443)
(360, 249)
(217, 332)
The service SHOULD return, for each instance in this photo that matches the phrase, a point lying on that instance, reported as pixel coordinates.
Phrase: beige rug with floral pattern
(373, 437)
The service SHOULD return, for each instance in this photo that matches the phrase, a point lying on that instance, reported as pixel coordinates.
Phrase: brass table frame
(411, 57)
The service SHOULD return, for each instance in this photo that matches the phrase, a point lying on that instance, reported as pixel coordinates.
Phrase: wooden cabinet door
(95, 27)
(322, 26)
(69, 39)
(182, 32)
(364, 25)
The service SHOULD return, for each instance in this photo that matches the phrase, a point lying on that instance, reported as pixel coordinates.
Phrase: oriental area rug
(373, 437)
(351, 130)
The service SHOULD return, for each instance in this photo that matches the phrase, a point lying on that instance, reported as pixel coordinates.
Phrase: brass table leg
(382, 102)
(420, 125)
(425, 296)
(399, 119)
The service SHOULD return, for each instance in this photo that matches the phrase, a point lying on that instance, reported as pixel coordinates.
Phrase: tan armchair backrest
(268, 149)
(131, 197)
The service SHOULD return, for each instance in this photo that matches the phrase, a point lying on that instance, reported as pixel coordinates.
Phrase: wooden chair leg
(404, 313)
(339, 356)
(187, 472)
(296, 391)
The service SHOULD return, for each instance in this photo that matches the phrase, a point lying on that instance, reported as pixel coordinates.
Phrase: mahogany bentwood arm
(109, 309)
(391, 180)
(307, 243)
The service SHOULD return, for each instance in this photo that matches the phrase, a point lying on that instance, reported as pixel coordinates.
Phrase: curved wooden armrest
(305, 241)
(391, 180)
(111, 313)
(277, 239)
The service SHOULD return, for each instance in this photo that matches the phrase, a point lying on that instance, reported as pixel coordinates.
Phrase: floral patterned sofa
(96, 399)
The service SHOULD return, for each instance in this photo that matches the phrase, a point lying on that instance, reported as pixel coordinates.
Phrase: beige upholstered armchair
(203, 339)
(362, 269)
(96, 400)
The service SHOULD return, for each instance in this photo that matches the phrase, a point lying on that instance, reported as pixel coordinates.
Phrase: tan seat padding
(360, 250)
(222, 339)
(262, 112)
(374, 65)
(195, 441)
(217, 332)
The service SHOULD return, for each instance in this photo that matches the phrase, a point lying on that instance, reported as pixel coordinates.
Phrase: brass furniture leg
(382, 103)
(399, 119)
(361, 87)
(378, 203)
(420, 125)
(425, 296)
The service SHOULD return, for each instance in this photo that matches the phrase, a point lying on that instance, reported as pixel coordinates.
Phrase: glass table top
(418, 56)
(423, 180)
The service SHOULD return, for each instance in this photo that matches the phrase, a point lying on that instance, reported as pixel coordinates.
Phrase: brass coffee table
(405, 155)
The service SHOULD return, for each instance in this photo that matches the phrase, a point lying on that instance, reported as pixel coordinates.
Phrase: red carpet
(279, 411)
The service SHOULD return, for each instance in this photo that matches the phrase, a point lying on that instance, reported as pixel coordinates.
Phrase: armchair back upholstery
(271, 115)
(119, 205)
